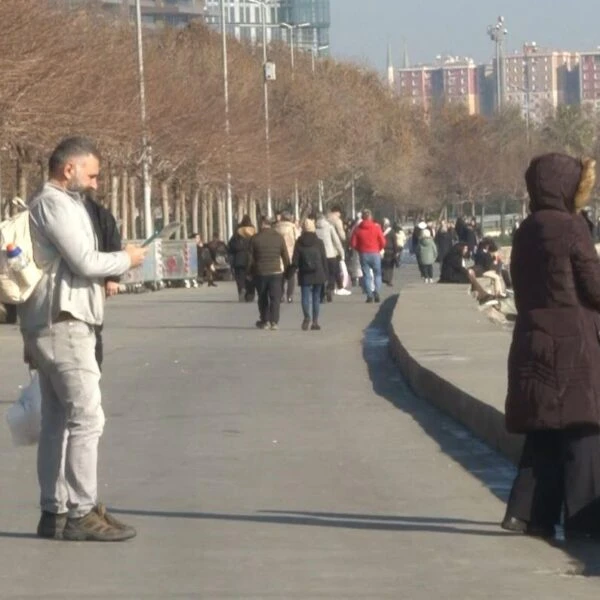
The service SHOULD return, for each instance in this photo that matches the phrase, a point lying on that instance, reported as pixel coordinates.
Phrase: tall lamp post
(498, 33)
(291, 29)
(229, 206)
(315, 52)
(266, 77)
(146, 149)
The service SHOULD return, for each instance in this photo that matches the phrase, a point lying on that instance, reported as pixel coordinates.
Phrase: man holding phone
(57, 324)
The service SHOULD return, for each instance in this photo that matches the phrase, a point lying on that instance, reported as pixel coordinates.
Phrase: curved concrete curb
(484, 420)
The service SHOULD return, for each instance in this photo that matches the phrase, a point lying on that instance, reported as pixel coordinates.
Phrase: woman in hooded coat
(239, 249)
(390, 252)
(554, 361)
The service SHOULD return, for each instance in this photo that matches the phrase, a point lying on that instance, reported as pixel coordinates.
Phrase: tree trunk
(204, 215)
(44, 171)
(221, 214)
(124, 206)
(114, 195)
(195, 206)
(252, 210)
(503, 216)
(184, 214)
(178, 210)
(133, 232)
(21, 180)
(483, 218)
(242, 208)
(164, 198)
(209, 215)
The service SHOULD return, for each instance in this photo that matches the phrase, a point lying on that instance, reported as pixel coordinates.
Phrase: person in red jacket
(367, 239)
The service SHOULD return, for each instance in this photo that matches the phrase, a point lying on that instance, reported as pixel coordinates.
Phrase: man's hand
(112, 288)
(136, 254)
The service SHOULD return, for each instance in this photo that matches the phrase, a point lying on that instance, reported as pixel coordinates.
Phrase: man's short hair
(266, 222)
(286, 215)
(69, 148)
(335, 208)
(366, 214)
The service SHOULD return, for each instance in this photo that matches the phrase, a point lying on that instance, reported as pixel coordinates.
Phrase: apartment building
(588, 79)
(538, 80)
(450, 79)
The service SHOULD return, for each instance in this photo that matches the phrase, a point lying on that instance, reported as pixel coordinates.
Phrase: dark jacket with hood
(310, 259)
(105, 228)
(554, 359)
(239, 246)
(452, 269)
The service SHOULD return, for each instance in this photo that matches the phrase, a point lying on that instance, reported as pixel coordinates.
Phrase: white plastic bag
(24, 417)
(346, 281)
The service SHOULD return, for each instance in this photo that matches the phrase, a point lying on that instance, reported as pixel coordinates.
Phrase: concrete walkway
(263, 465)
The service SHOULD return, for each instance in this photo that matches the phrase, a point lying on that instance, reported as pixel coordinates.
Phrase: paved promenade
(267, 465)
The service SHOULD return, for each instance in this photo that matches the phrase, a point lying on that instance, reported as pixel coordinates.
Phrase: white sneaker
(343, 292)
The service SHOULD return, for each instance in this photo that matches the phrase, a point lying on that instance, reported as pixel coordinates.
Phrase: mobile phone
(166, 232)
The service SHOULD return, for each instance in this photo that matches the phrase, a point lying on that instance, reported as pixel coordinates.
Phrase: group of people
(323, 254)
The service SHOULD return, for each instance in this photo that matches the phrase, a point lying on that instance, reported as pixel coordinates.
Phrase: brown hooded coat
(554, 359)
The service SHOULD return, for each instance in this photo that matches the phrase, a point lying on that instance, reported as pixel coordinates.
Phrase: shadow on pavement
(481, 461)
(342, 520)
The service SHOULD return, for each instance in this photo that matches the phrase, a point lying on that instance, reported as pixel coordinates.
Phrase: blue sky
(361, 29)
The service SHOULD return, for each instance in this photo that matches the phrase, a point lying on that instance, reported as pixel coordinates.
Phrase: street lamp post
(229, 207)
(291, 29)
(263, 6)
(146, 149)
(498, 33)
(315, 51)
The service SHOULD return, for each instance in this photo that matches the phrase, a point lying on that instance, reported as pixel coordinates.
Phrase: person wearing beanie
(426, 255)
(553, 376)
(309, 261)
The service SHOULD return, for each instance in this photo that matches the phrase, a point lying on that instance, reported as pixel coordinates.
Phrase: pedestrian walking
(390, 253)
(239, 250)
(335, 252)
(426, 253)
(57, 324)
(287, 229)
(367, 239)
(310, 262)
(553, 376)
(268, 261)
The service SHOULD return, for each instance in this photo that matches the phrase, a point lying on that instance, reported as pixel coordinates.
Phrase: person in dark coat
(553, 365)
(239, 249)
(453, 270)
(443, 241)
(206, 268)
(269, 259)
(310, 261)
(109, 240)
(390, 253)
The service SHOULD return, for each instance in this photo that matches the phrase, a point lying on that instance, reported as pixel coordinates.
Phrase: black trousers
(333, 267)
(240, 279)
(289, 281)
(559, 469)
(268, 288)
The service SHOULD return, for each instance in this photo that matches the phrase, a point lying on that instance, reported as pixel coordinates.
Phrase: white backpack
(17, 286)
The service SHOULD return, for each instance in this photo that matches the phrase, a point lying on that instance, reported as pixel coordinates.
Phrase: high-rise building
(450, 79)
(244, 21)
(589, 79)
(155, 13)
(537, 80)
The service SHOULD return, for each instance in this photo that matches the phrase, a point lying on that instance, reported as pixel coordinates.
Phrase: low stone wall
(454, 357)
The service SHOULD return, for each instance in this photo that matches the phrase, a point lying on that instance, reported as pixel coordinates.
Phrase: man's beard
(77, 187)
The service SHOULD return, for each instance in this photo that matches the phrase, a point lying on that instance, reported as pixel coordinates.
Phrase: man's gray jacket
(66, 249)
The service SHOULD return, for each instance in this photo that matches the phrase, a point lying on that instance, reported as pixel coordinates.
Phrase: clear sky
(362, 29)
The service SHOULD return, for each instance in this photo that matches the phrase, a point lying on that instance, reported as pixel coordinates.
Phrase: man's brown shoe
(51, 525)
(97, 526)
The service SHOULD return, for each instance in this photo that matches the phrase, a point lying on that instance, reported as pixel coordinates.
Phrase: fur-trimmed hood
(246, 232)
(560, 182)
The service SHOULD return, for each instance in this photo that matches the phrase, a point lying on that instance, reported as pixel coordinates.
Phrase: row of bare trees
(74, 72)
